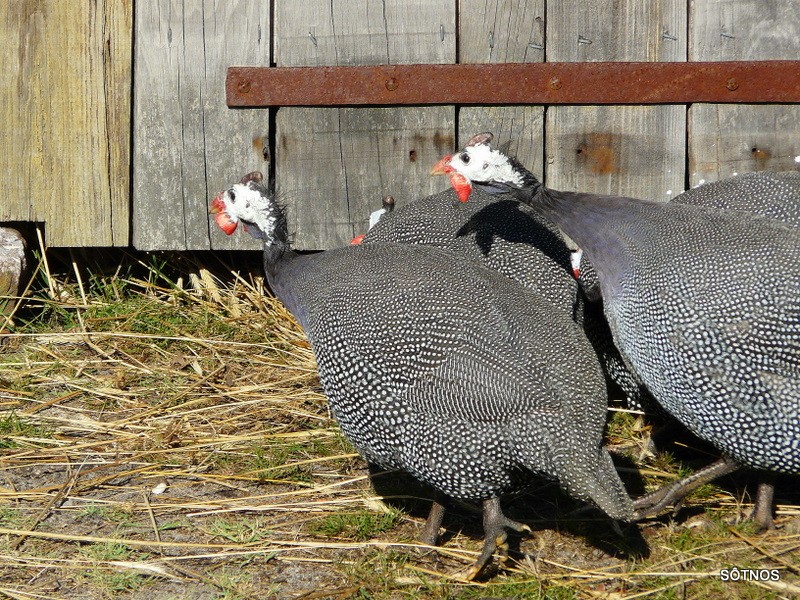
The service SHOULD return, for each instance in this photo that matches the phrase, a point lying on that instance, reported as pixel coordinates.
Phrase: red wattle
(357, 240)
(225, 223)
(461, 185)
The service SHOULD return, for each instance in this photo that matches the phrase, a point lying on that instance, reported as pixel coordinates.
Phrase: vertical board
(499, 31)
(631, 150)
(333, 166)
(65, 109)
(729, 139)
(187, 144)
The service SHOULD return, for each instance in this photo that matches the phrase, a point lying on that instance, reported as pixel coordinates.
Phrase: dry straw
(162, 422)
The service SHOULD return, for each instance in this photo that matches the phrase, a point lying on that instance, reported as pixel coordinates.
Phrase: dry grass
(163, 434)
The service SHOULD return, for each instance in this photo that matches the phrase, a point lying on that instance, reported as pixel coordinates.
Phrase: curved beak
(216, 205)
(442, 167)
(221, 216)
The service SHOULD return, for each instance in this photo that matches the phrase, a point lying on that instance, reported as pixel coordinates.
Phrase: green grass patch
(241, 530)
(16, 432)
(12, 518)
(358, 526)
(108, 579)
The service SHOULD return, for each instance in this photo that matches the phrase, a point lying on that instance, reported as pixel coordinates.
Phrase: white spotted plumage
(446, 369)
(704, 303)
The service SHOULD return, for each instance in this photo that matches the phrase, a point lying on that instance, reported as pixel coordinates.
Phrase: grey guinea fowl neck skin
(723, 359)
(459, 383)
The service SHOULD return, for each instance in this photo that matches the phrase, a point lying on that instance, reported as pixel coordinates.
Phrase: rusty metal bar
(515, 83)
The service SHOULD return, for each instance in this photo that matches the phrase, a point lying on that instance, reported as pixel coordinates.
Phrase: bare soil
(171, 441)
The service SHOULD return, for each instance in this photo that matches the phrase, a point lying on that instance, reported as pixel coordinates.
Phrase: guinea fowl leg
(495, 524)
(762, 511)
(653, 503)
(430, 532)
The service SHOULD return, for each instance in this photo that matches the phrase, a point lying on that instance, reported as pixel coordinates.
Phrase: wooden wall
(727, 139)
(70, 139)
(65, 118)
(334, 165)
(187, 145)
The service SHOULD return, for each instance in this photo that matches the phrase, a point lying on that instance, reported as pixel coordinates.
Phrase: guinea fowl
(465, 383)
(774, 194)
(769, 193)
(722, 359)
(505, 236)
(513, 239)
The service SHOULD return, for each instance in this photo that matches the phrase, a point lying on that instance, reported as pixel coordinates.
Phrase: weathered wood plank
(637, 151)
(333, 166)
(498, 31)
(187, 144)
(616, 30)
(21, 32)
(65, 106)
(725, 140)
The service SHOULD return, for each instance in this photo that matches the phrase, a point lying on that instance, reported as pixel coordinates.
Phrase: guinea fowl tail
(600, 484)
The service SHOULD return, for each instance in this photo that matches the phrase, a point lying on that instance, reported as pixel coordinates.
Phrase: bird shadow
(506, 219)
(542, 506)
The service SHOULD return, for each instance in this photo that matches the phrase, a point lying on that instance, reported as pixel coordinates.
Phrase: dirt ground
(170, 440)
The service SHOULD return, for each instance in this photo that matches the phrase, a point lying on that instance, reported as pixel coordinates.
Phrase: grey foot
(495, 524)
(673, 493)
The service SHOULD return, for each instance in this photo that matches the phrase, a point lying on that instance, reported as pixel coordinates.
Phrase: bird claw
(503, 521)
(674, 493)
(495, 524)
(468, 574)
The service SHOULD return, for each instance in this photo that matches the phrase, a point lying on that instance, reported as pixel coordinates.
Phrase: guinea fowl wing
(701, 324)
(770, 193)
(467, 400)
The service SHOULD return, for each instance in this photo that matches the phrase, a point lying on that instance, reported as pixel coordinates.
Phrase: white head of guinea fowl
(460, 384)
(485, 166)
(246, 202)
(718, 347)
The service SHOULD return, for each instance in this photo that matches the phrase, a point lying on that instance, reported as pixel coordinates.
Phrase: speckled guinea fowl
(510, 238)
(722, 359)
(774, 194)
(469, 383)
(502, 234)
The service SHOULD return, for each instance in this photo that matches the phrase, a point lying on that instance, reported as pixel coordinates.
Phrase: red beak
(459, 183)
(224, 220)
(217, 206)
(442, 167)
